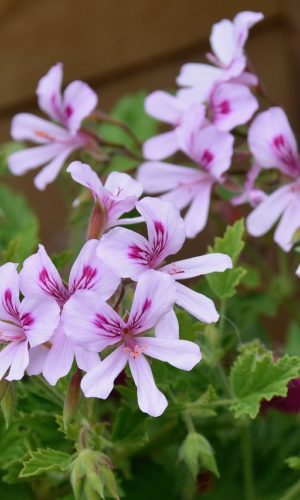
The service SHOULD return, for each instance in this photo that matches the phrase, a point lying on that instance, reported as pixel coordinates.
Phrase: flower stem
(223, 308)
(188, 422)
(247, 462)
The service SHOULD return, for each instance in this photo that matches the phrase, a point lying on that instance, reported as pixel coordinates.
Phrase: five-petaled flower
(273, 144)
(103, 327)
(229, 105)
(55, 142)
(40, 278)
(227, 42)
(212, 150)
(131, 255)
(23, 325)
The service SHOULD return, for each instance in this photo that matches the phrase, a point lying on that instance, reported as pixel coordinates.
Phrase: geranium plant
(135, 364)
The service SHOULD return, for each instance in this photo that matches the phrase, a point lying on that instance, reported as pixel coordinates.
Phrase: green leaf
(256, 376)
(201, 407)
(44, 460)
(5, 151)
(232, 242)
(293, 462)
(224, 284)
(129, 428)
(18, 226)
(130, 110)
(196, 451)
(92, 474)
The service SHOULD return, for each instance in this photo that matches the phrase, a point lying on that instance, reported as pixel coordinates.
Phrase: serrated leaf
(196, 451)
(232, 242)
(44, 460)
(255, 377)
(224, 284)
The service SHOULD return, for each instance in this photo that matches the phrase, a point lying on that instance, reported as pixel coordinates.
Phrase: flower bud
(73, 397)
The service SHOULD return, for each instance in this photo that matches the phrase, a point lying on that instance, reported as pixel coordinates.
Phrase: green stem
(222, 316)
(247, 463)
(184, 415)
(292, 493)
(188, 422)
(225, 382)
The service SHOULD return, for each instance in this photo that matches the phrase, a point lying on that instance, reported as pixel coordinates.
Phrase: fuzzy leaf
(197, 452)
(44, 460)
(255, 377)
(232, 242)
(224, 284)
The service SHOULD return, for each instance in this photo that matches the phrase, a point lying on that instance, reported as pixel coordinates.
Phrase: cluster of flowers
(55, 322)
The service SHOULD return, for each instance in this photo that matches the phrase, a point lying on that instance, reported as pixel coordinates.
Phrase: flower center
(131, 346)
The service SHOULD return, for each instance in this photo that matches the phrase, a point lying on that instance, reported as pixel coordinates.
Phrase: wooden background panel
(97, 37)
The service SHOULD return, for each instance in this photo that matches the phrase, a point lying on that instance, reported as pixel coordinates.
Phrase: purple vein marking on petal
(8, 304)
(27, 320)
(68, 111)
(113, 328)
(52, 288)
(148, 256)
(139, 254)
(159, 242)
(137, 319)
(206, 159)
(86, 280)
(284, 151)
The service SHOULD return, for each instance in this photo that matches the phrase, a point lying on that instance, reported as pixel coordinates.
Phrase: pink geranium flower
(118, 195)
(132, 254)
(212, 151)
(55, 142)
(39, 277)
(175, 111)
(103, 327)
(227, 42)
(23, 325)
(229, 105)
(273, 144)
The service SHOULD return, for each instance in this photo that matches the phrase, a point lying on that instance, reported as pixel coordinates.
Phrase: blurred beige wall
(120, 46)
